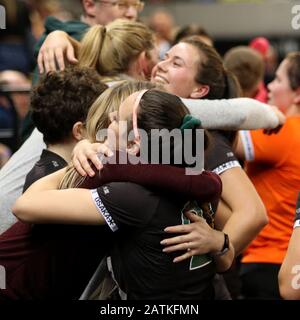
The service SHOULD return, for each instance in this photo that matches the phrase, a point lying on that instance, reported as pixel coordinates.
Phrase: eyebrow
(174, 57)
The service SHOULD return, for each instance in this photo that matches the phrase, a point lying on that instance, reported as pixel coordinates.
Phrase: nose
(162, 65)
(270, 85)
(131, 13)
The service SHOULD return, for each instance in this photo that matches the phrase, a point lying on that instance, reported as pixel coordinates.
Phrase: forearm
(289, 274)
(248, 212)
(224, 262)
(232, 114)
(222, 250)
(205, 187)
(242, 230)
(42, 203)
(49, 182)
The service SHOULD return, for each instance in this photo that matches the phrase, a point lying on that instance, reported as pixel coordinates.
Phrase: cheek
(153, 72)
(181, 84)
(282, 96)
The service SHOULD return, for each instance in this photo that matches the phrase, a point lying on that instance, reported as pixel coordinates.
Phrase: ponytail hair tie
(103, 31)
(190, 122)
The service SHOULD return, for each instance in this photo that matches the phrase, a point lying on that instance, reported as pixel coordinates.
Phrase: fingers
(40, 62)
(187, 247)
(48, 58)
(186, 255)
(78, 167)
(176, 240)
(71, 54)
(192, 216)
(49, 62)
(178, 247)
(182, 228)
(59, 56)
(93, 157)
(272, 131)
(102, 148)
(84, 163)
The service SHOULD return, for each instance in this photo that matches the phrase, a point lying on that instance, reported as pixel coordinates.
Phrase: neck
(63, 149)
(293, 110)
(88, 20)
(134, 71)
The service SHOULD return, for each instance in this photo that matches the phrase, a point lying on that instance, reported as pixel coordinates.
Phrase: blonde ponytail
(91, 46)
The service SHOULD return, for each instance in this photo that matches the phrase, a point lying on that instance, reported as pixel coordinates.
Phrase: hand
(198, 238)
(55, 48)
(281, 120)
(85, 151)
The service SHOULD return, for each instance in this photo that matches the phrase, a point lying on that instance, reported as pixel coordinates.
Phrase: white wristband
(297, 223)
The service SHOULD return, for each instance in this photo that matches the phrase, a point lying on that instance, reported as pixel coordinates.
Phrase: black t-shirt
(219, 156)
(49, 162)
(46, 261)
(138, 217)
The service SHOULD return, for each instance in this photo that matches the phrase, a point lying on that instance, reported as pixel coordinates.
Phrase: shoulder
(126, 203)
(127, 194)
(220, 156)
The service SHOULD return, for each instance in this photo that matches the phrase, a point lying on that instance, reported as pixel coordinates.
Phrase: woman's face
(118, 130)
(281, 93)
(177, 71)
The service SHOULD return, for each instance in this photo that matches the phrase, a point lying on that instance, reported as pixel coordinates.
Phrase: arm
(243, 215)
(206, 187)
(234, 114)
(289, 273)
(248, 215)
(42, 203)
(57, 46)
(198, 238)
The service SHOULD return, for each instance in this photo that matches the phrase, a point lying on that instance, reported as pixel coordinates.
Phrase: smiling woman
(273, 165)
(177, 72)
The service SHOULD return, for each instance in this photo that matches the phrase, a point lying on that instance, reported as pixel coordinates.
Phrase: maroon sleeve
(205, 187)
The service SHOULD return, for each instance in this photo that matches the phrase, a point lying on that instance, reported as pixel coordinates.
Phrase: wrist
(222, 248)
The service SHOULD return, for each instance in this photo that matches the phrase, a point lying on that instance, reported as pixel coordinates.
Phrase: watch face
(225, 246)
(226, 242)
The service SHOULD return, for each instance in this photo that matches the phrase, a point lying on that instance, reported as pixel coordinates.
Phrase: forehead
(126, 106)
(184, 51)
(282, 69)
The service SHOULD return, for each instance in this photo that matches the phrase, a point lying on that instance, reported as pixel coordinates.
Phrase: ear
(143, 65)
(89, 7)
(78, 131)
(134, 147)
(199, 92)
(297, 96)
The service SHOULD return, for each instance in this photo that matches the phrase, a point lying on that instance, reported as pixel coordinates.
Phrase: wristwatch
(225, 247)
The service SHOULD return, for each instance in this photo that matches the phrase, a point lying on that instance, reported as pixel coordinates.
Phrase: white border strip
(226, 166)
(103, 211)
(247, 144)
(297, 224)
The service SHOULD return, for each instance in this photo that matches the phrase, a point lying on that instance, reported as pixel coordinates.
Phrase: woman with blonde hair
(119, 50)
(99, 117)
(136, 215)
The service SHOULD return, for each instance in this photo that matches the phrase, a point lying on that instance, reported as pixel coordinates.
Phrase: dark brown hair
(191, 30)
(61, 99)
(247, 65)
(222, 83)
(161, 110)
(293, 70)
(211, 72)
